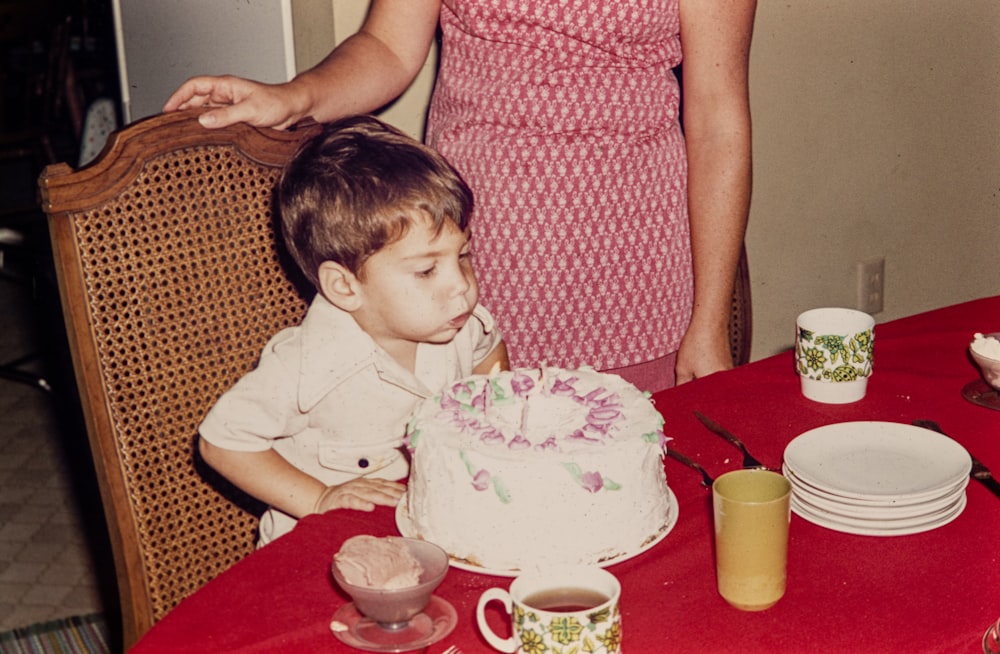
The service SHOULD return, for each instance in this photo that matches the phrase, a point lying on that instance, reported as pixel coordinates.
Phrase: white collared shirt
(333, 403)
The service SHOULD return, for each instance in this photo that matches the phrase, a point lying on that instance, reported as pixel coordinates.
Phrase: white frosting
(987, 346)
(537, 467)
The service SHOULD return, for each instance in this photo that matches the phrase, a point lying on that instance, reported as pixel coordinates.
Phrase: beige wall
(314, 39)
(876, 134)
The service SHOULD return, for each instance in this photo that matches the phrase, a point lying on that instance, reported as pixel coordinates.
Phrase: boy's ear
(340, 286)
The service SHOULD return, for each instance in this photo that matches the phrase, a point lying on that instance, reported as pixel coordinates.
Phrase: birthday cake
(535, 467)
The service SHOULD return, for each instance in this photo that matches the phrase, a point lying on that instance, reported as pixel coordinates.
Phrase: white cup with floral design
(833, 354)
(565, 609)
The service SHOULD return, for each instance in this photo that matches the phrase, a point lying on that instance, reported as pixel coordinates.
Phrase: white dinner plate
(890, 515)
(869, 502)
(879, 461)
(877, 529)
(865, 508)
(889, 512)
(407, 528)
(884, 514)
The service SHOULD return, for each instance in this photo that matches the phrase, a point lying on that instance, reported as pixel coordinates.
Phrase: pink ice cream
(383, 563)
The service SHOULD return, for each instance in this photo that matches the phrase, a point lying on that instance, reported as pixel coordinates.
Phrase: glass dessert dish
(399, 619)
(989, 366)
(991, 639)
(392, 609)
(985, 391)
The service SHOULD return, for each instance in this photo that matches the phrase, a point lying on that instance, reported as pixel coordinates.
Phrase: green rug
(86, 634)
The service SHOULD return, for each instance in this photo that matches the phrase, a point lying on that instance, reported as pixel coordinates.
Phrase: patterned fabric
(562, 116)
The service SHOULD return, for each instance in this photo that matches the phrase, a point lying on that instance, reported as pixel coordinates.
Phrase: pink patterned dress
(562, 115)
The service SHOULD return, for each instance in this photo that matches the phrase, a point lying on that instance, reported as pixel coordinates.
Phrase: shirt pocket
(357, 460)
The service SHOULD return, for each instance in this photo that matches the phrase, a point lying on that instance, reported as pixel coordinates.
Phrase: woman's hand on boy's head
(362, 494)
(237, 100)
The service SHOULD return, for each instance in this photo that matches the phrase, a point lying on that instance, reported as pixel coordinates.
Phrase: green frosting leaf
(468, 464)
(501, 490)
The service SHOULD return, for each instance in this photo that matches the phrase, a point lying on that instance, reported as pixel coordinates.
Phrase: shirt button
(362, 463)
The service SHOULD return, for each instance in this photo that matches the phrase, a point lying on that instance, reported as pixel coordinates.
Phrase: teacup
(573, 608)
(833, 354)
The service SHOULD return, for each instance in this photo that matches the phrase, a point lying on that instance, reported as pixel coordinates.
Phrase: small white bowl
(988, 366)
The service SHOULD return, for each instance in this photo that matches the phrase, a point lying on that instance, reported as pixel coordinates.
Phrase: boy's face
(419, 289)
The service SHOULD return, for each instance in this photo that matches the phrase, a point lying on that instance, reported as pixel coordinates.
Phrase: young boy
(378, 223)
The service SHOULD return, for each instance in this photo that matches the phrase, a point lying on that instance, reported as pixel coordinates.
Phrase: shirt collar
(334, 348)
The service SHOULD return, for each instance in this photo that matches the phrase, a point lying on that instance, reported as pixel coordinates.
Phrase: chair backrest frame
(741, 313)
(171, 280)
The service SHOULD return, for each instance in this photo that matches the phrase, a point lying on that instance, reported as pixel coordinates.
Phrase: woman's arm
(496, 357)
(366, 71)
(715, 35)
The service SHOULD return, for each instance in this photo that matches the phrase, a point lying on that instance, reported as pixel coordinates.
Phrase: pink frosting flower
(449, 403)
(492, 435)
(521, 384)
(519, 442)
(481, 480)
(592, 481)
(548, 444)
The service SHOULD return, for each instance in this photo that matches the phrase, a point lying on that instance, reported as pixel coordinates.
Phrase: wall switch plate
(871, 285)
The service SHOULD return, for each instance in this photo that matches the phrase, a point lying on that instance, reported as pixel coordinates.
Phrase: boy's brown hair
(356, 187)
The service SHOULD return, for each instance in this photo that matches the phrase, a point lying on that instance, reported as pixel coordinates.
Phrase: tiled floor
(54, 554)
(54, 559)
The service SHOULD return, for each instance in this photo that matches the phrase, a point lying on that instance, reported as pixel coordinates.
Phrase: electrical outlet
(871, 285)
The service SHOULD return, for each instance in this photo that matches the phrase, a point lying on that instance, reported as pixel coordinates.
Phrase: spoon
(706, 479)
(748, 460)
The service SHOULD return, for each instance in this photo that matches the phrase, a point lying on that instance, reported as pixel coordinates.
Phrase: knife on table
(979, 470)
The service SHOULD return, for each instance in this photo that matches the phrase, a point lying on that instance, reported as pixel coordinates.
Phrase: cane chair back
(171, 283)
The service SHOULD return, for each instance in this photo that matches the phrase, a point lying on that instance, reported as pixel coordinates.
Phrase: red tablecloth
(930, 592)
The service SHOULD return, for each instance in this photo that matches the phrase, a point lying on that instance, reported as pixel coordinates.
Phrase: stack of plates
(877, 478)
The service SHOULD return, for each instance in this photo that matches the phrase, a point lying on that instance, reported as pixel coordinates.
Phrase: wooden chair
(171, 283)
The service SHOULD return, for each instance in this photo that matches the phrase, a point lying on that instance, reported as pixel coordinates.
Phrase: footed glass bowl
(392, 609)
(988, 366)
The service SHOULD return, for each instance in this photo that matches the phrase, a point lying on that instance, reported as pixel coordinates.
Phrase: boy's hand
(361, 494)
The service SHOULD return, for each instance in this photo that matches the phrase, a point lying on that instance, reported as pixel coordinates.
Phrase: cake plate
(406, 528)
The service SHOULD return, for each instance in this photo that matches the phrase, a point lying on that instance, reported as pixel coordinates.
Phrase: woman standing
(603, 235)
